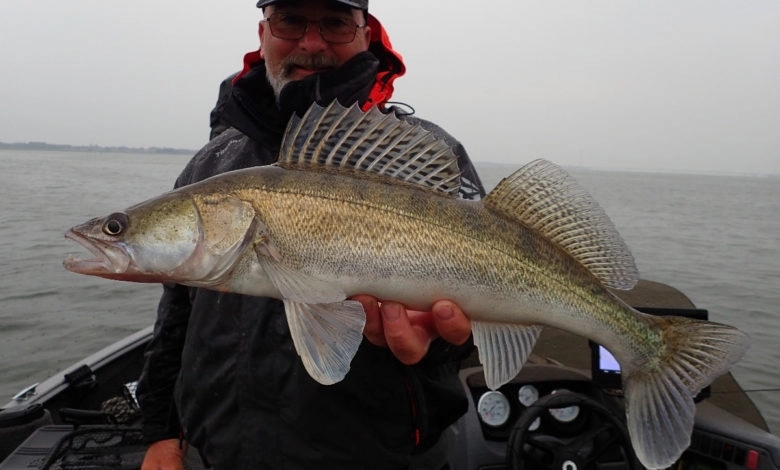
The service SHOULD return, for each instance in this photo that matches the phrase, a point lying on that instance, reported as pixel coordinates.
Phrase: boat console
(554, 417)
(565, 410)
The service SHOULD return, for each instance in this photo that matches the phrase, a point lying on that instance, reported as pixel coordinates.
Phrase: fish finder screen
(607, 361)
(605, 369)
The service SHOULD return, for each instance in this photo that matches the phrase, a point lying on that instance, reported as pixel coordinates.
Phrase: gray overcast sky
(690, 85)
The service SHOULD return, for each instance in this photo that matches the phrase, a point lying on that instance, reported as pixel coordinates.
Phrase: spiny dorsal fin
(348, 138)
(547, 199)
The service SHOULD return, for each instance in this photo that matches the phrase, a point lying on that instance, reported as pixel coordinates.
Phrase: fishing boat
(563, 411)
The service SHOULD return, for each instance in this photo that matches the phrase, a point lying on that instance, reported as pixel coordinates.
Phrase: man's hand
(165, 455)
(408, 333)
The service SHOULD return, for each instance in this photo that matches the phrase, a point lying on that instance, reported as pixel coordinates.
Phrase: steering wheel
(601, 441)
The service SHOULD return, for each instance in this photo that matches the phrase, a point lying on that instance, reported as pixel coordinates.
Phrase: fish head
(140, 243)
(192, 239)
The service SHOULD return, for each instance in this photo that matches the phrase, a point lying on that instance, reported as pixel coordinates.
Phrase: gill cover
(226, 228)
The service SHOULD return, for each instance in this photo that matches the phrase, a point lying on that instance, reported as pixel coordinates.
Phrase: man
(222, 372)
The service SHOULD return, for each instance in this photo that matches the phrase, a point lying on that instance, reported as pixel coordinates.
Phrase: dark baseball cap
(359, 4)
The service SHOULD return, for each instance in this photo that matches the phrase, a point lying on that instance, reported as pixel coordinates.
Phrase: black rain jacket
(222, 371)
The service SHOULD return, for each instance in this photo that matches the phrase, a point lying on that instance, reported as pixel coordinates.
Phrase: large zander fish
(364, 203)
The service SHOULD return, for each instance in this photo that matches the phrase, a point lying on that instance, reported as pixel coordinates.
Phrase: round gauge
(527, 395)
(567, 414)
(493, 408)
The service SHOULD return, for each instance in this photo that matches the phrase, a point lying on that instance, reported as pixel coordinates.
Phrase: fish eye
(115, 224)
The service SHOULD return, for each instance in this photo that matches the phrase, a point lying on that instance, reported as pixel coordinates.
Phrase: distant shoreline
(91, 148)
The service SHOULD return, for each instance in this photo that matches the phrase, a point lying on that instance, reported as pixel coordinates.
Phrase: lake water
(716, 238)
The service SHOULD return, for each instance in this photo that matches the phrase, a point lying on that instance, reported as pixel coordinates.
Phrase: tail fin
(659, 396)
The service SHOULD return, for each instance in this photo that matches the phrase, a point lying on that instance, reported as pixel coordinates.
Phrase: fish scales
(318, 222)
(418, 235)
(363, 203)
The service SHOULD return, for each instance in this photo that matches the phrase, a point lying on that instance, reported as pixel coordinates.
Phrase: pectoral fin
(265, 248)
(503, 349)
(326, 336)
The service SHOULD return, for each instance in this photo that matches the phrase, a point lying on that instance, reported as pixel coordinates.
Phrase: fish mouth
(109, 260)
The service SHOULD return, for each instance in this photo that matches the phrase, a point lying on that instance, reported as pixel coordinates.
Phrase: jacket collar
(252, 107)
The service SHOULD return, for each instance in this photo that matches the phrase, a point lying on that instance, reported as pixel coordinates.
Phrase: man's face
(287, 60)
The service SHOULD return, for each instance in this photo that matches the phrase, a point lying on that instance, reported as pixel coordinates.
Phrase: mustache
(308, 61)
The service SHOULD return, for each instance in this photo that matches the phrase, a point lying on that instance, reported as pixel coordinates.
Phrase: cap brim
(361, 5)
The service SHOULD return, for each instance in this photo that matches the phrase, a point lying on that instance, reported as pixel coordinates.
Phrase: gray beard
(277, 83)
(317, 61)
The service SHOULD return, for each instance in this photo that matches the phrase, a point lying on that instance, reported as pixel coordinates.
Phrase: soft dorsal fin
(336, 137)
(548, 200)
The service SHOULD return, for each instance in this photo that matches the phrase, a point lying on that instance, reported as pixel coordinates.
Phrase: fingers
(409, 333)
(408, 341)
(450, 322)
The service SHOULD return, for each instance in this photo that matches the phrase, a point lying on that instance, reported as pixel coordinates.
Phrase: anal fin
(503, 349)
(326, 336)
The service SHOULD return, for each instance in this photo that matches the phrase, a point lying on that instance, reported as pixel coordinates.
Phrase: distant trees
(90, 148)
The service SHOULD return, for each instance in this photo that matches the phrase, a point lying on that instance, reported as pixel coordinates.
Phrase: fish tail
(659, 393)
